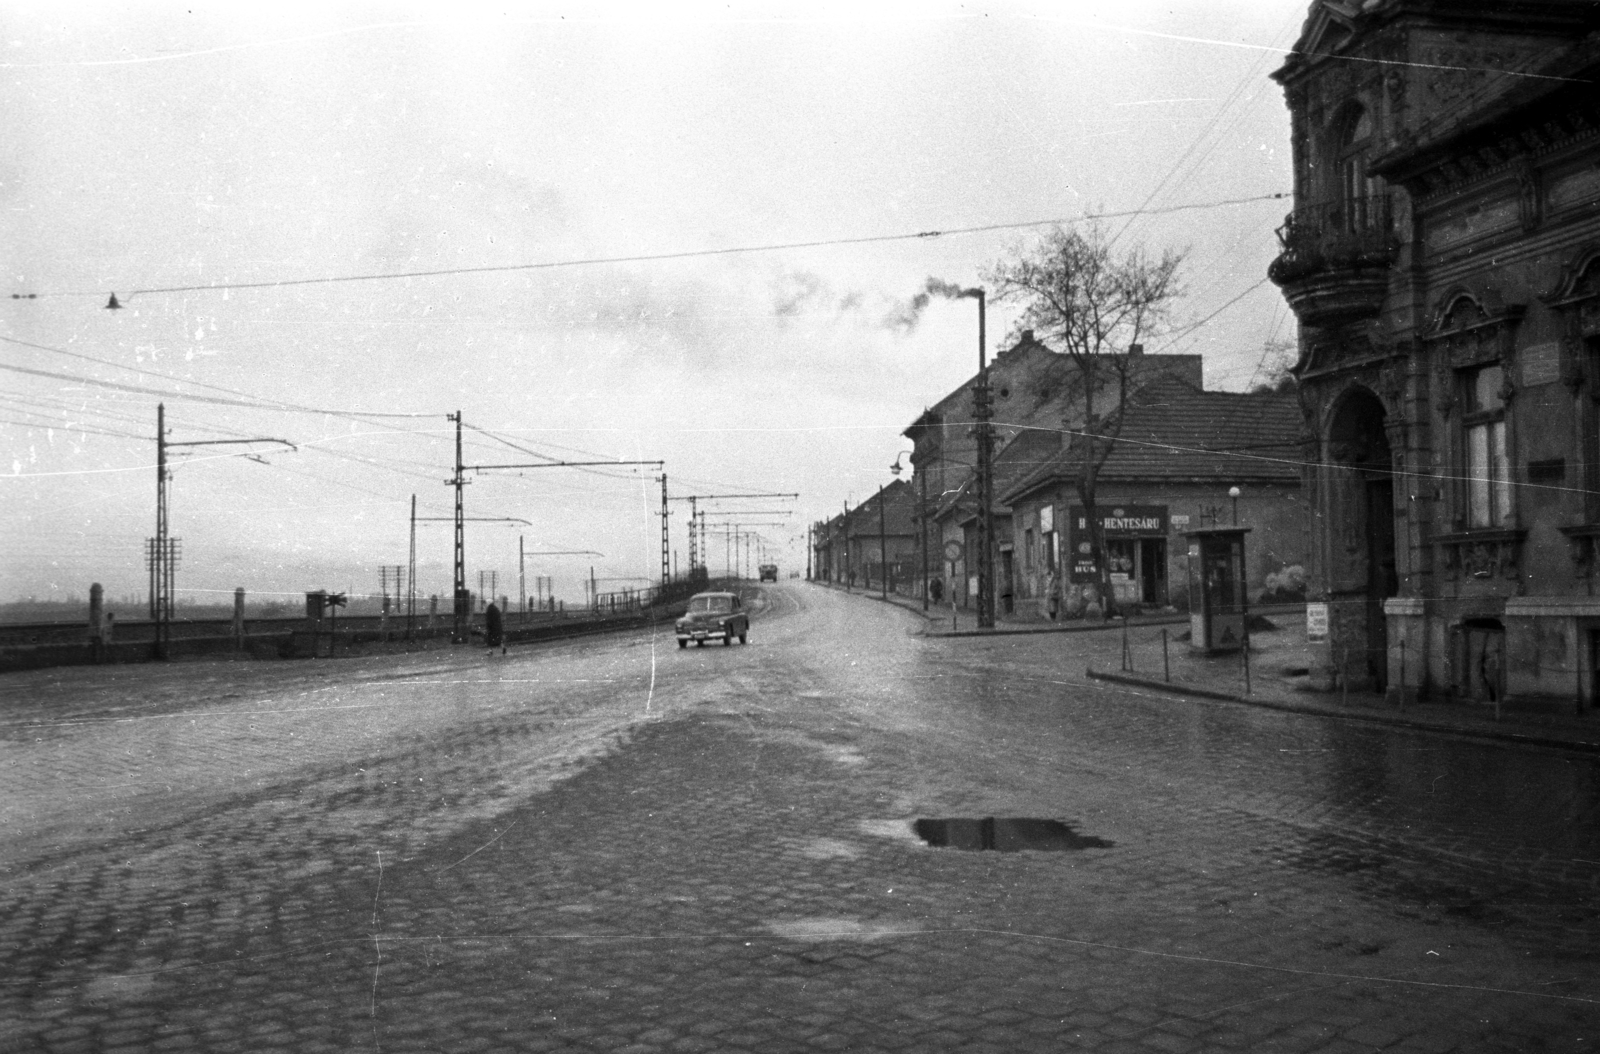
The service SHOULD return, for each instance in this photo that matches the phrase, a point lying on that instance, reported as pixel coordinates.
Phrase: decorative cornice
(1568, 286)
(1490, 308)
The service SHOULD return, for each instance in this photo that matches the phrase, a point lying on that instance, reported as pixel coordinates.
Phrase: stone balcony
(1335, 260)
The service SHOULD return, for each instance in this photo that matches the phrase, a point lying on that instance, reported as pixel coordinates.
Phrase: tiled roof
(1030, 451)
(1173, 431)
(899, 512)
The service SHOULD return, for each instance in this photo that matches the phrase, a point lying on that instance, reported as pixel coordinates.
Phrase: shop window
(1138, 568)
(1486, 464)
(1028, 554)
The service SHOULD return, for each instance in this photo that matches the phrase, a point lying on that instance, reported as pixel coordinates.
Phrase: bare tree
(1094, 305)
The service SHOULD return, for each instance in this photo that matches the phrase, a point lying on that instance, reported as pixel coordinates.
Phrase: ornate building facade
(1443, 259)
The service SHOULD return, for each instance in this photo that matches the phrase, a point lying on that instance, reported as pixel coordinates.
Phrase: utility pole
(981, 412)
(384, 577)
(883, 545)
(699, 554)
(844, 522)
(522, 581)
(458, 629)
(666, 546)
(922, 531)
(694, 554)
(411, 575)
(463, 604)
(164, 551)
(160, 555)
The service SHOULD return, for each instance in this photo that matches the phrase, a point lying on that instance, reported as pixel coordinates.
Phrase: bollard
(1127, 655)
(1402, 700)
(1344, 678)
(1245, 651)
(97, 639)
(96, 609)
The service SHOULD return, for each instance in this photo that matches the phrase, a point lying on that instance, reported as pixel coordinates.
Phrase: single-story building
(1177, 460)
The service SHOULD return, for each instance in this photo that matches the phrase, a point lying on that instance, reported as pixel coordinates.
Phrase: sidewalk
(1275, 682)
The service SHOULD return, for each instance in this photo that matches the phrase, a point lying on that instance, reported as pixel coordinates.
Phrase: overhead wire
(382, 276)
(69, 428)
(254, 401)
(555, 461)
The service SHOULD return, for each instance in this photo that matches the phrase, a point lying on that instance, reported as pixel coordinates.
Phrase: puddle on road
(829, 849)
(839, 928)
(124, 987)
(1005, 835)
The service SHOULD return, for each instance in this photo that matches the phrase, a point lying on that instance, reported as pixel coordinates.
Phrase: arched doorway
(1361, 569)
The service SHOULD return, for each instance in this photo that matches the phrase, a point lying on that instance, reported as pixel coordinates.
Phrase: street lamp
(1233, 492)
(922, 518)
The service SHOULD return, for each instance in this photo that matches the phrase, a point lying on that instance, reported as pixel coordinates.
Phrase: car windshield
(716, 605)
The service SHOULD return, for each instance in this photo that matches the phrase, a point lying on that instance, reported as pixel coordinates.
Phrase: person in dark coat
(494, 630)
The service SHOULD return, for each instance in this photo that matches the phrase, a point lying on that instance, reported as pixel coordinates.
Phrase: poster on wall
(1316, 622)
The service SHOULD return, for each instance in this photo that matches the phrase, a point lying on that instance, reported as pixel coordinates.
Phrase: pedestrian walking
(494, 630)
(1052, 592)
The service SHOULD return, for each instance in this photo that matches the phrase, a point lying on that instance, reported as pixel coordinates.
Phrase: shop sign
(1116, 521)
(1125, 521)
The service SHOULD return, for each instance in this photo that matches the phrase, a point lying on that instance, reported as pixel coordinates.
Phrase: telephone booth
(1218, 602)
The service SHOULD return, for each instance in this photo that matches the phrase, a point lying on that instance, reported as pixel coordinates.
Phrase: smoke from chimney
(910, 314)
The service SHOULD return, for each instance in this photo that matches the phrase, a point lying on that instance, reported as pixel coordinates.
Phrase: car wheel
(741, 637)
(683, 644)
(728, 639)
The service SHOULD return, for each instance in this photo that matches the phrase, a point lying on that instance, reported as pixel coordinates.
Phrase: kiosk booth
(1218, 602)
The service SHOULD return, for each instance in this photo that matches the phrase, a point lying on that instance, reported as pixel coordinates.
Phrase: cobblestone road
(614, 845)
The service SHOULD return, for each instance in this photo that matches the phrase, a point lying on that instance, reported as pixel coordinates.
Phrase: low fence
(36, 645)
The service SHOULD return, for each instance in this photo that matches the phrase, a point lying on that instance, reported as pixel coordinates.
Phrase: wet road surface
(612, 844)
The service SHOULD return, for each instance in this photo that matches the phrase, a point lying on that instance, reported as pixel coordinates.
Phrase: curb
(1014, 631)
(1486, 734)
(1022, 631)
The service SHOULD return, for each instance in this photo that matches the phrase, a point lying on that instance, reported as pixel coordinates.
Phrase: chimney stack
(1135, 349)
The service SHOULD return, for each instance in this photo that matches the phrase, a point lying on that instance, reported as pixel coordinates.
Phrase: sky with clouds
(272, 194)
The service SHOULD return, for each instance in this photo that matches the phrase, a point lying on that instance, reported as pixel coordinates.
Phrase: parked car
(713, 616)
(769, 572)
